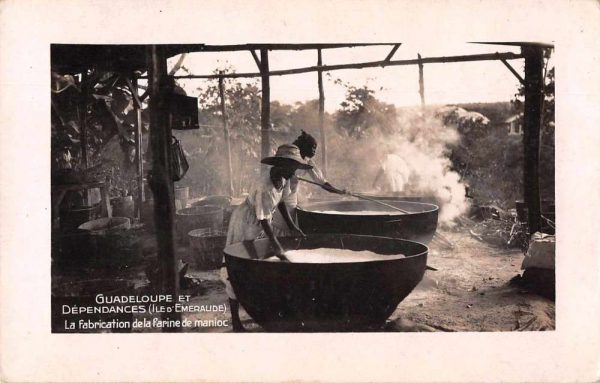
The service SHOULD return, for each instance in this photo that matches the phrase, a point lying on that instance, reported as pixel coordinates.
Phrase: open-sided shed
(132, 60)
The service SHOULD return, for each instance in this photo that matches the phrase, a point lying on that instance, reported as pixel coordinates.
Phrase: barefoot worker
(308, 148)
(253, 217)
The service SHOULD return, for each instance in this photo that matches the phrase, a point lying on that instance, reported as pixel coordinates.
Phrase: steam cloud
(414, 161)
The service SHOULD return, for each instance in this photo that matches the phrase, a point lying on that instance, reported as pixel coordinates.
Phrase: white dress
(244, 224)
(280, 227)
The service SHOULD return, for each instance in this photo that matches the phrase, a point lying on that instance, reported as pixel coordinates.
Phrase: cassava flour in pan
(360, 212)
(328, 255)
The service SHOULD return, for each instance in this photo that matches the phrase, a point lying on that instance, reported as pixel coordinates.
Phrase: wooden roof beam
(372, 64)
(256, 59)
(513, 71)
(391, 54)
(243, 47)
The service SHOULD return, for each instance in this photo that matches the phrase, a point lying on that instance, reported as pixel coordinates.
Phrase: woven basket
(208, 245)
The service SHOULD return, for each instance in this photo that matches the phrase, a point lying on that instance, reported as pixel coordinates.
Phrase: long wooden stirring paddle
(368, 199)
(361, 197)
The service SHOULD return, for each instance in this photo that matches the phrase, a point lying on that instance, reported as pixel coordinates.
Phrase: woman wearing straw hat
(253, 217)
(307, 145)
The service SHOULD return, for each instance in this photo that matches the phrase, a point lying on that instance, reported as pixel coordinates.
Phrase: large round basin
(198, 217)
(418, 225)
(319, 297)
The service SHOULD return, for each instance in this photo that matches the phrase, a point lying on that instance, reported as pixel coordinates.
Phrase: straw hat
(287, 155)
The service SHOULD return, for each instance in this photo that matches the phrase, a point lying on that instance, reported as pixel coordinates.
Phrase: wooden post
(161, 181)
(265, 111)
(81, 110)
(82, 119)
(421, 81)
(322, 114)
(532, 119)
(226, 137)
(139, 162)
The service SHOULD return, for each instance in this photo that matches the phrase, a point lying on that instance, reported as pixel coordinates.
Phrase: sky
(484, 81)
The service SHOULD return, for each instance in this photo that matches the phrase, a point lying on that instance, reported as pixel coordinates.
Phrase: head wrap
(305, 140)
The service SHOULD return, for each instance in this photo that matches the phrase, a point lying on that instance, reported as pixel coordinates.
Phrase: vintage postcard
(186, 205)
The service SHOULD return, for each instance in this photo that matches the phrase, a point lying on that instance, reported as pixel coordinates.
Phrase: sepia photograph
(315, 191)
(303, 187)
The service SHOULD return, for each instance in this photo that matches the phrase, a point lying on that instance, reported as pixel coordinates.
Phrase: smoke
(413, 161)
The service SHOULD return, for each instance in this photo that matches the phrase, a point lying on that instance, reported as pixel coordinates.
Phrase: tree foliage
(362, 112)
(492, 162)
(209, 162)
(105, 102)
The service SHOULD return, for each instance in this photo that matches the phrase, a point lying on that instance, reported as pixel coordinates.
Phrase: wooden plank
(133, 88)
(139, 162)
(178, 64)
(515, 43)
(421, 81)
(82, 115)
(106, 209)
(256, 59)
(161, 181)
(322, 114)
(81, 110)
(226, 137)
(532, 120)
(391, 54)
(58, 192)
(273, 47)
(265, 110)
(139, 158)
(513, 71)
(370, 64)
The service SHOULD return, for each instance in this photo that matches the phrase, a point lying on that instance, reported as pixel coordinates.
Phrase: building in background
(514, 125)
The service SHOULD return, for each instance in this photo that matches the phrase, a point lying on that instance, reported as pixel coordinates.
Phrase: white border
(30, 353)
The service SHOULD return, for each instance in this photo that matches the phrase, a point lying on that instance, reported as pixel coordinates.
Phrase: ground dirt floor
(470, 291)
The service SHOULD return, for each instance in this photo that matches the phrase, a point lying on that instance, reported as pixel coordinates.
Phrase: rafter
(371, 64)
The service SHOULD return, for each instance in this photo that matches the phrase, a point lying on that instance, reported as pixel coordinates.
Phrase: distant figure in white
(393, 175)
